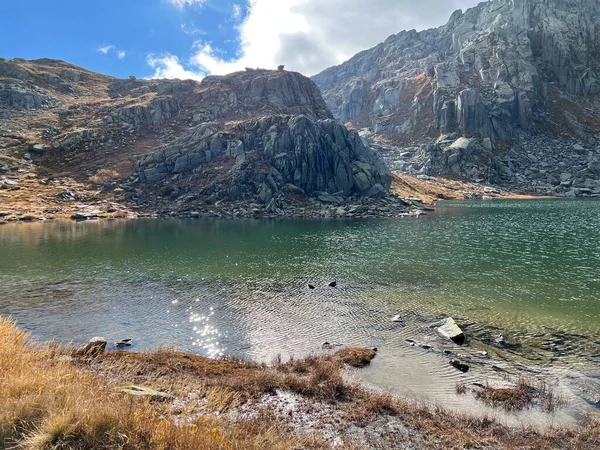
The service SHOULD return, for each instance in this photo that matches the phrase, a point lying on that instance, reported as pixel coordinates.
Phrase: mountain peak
(493, 72)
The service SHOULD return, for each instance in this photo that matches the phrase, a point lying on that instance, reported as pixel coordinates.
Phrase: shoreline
(80, 215)
(306, 401)
(34, 198)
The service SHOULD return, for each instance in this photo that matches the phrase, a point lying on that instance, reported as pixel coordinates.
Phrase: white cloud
(311, 35)
(104, 49)
(192, 30)
(182, 3)
(169, 66)
(236, 13)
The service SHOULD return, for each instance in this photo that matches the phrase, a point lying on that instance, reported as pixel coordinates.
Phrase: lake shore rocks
(95, 347)
(450, 330)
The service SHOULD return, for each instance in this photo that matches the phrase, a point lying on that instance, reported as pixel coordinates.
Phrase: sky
(194, 38)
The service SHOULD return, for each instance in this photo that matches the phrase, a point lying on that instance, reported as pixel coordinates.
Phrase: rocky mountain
(250, 143)
(505, 92)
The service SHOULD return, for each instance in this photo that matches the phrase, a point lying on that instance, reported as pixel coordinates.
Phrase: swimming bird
(310, 286)
(333, 284)
(124, 343)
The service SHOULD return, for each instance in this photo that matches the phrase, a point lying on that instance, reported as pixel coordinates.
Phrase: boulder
(464, 368)
(449, 329)
(95, 347)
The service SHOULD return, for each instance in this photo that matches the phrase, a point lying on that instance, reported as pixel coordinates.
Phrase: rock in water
(124, 343)
(333, 284)
(452, 331)
(95, 347)
(464, 368)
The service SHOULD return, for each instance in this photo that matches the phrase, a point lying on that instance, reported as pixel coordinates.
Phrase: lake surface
(223, 287)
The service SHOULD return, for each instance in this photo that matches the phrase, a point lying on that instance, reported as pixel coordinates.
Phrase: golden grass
(47, 404)
(104, 175)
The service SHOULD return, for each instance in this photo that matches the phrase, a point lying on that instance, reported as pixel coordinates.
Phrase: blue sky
(74, 30)
(193, 38)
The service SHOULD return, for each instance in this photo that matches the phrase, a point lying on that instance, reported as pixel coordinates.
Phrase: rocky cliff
(262, 139)
(479, 92)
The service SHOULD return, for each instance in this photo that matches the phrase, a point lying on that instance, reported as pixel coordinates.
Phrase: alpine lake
(526, 270)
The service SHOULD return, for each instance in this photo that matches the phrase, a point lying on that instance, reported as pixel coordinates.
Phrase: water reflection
(217, 287)
(208, 335)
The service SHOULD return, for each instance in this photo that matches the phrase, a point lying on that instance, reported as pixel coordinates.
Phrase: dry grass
(524, 394)
(47, 404)
(104, 175)
(460, 389)
(356, 357)
(50, 401)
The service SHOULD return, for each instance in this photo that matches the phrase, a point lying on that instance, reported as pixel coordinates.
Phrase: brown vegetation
(45, 403)
(357, 357)
(104, 175)
(437, 188)
(524, 394)
(51, 400)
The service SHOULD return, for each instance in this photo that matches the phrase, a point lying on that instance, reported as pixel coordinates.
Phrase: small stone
(140, 391)
(464, 368)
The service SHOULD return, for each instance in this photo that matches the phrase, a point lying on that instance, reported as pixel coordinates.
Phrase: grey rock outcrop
(263, 156)
(264, 136)
(487, 72)
(21, 95)
(154, 113)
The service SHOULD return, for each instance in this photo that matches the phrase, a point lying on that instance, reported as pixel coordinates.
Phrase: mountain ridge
(249, 144)
(499, 73)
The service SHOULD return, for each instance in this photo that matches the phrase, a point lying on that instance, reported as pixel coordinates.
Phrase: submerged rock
(464, 368)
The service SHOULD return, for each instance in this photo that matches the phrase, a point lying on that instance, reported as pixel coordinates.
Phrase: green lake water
(240, 288)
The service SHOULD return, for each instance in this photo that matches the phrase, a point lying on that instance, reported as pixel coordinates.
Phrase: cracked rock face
(262, 156)
(485, 73)
(261, 133)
